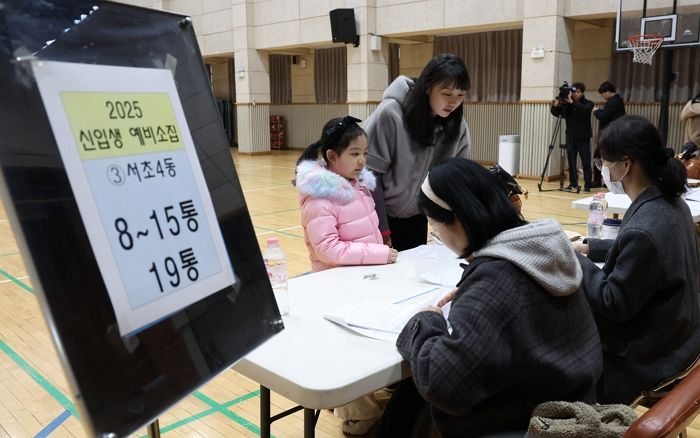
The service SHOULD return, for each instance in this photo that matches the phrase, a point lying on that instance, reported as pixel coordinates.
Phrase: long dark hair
(443, 70)
(336, 135)
(637, 138)
(476, 199)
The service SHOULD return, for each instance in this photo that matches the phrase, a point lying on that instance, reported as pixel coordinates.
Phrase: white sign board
(133, 169)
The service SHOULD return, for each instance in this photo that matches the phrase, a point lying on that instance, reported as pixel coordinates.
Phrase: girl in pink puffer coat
(340, 224)
(337, 210)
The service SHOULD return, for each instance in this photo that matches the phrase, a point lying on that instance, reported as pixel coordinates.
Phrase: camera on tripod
(560, 109)
(564, 91)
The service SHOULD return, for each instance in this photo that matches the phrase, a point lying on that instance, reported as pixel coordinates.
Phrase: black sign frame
(120, 384)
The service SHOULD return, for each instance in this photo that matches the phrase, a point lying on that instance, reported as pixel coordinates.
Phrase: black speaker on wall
(343, 26)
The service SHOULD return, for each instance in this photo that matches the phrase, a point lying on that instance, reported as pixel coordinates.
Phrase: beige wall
(414, 57)
(435, 16)
(151, 4)
(220, 83)
(589, 8)
(185, 7)
(576, 36)
(303, 80)
(593, 45)
(280, 24)
(214, 27)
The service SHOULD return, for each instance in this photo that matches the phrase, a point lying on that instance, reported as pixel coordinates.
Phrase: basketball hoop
(644, 46)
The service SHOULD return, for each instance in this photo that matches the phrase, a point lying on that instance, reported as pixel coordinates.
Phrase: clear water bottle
(597, 213)
(276, 265)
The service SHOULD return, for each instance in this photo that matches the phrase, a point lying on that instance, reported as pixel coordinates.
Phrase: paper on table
(429, 251)
(435, 264)
(338, 316)
(693, 195)
(383, 320)
(385, 317)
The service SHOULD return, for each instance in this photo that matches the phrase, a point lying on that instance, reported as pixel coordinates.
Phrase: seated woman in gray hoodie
(417, 125)
(521, 330)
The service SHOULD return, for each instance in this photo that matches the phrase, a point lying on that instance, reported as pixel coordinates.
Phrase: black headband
(336, 130)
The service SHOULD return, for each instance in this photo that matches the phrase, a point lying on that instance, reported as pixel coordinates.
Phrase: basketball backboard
(677, 21)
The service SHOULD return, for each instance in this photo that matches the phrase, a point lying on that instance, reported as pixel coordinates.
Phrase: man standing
(613, 109)
(576, 110)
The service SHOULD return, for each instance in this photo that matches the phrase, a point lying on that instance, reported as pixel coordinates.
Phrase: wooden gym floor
(34, 395)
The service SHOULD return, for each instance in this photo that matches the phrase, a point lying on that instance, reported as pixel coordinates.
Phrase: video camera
(564, 91)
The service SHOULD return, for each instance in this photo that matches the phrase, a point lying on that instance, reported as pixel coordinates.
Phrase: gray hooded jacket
(402, 162)
(522, 334)
(543, 251)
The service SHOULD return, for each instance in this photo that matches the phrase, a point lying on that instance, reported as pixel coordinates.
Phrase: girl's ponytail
(311, 152)
(336, 135)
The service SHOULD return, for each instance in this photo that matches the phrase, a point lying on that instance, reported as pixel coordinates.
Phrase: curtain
(394, 53)
(331, 75)
(642, 83)
(280, 79)
(493, 60)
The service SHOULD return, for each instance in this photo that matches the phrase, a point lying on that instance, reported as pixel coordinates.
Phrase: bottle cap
(273, 241)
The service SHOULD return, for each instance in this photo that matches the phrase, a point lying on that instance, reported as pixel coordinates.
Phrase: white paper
(693, 195)
(382, 320)
(384, 317)
(435, 264)
(132, 166)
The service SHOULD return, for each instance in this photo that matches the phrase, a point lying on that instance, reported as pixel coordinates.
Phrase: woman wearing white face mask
(645, 298)
(615, 187)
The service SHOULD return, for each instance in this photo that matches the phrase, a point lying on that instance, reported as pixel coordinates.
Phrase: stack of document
(381, 320)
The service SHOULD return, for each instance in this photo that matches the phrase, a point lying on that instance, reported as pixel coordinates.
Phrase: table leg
(153, 429)
(310, 417)
(265, 421)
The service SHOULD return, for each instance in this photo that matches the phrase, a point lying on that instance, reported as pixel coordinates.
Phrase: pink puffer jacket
(340, 224)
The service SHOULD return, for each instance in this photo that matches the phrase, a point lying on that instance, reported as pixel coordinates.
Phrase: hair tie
(663, 155)
(428, 191)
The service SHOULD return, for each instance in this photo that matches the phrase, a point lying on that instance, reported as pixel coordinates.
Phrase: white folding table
(618, 204)
(318, 364)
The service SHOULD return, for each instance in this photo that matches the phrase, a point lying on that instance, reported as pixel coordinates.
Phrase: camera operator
(613, 109)
(573, 106)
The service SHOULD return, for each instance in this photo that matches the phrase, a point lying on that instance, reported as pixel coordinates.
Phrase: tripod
(562, 153)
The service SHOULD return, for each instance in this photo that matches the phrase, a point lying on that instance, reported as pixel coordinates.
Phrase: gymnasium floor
(34, 395)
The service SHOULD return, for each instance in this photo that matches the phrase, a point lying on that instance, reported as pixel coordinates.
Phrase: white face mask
(615, 187)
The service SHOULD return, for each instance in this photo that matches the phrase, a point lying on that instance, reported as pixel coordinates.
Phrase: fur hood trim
(314, 179)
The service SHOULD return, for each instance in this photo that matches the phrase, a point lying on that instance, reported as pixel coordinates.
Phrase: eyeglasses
(598, 162)
(337, 129)
(434, 235)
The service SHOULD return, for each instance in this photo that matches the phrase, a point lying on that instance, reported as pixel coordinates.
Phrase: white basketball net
(644, 47)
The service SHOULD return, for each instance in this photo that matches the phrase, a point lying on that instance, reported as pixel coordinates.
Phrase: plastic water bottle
(597, 213)
(276, 265)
